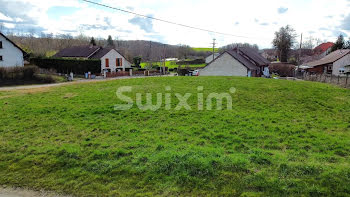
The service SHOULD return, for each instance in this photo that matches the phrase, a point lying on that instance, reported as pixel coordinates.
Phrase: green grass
(282, 138)
(205, 49)
(172, 65)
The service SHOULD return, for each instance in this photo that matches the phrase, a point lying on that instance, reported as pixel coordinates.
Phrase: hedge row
(18, 73)
(76, 66)
(191, 62)
(22, 76)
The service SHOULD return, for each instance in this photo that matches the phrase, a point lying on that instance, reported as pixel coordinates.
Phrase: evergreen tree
(93, 42)
(348, 44)
(110, 42)
(339, 44)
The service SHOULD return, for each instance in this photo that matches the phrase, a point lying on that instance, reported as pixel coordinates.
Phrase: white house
(10, 54)
(210, 58)
(111, 59)
(340, 66)
(336, 63)
(238, 62)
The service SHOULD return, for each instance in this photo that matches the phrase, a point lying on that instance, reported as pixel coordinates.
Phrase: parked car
(195, 73)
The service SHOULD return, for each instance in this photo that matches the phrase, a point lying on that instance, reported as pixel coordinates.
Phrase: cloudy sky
(255, 20)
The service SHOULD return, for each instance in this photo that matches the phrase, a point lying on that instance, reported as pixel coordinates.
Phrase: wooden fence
(117, 74)
(134, 73)
(343, 81)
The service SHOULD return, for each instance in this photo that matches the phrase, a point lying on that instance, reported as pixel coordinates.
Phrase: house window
(0, 58)
(0, 44)
(107, 63)
(119, 62)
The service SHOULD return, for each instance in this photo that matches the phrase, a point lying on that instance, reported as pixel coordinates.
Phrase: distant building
(111, 59)
(238, 62)
(335, 63)
(210, 58)
(323, 49)
(270, 54)
(10, 54)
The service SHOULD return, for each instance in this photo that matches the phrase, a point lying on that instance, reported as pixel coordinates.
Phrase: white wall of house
(210, 58)
(113, 55)
(11, 55)
(225, 65)
(339, 66)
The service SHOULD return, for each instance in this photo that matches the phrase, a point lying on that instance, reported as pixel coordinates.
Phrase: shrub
(23, 75)
(282, 69)
(191, 62)
(44, 79)
(18, 73)
(29, 72)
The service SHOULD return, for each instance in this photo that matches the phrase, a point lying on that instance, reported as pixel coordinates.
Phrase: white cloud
(9, 25)
(221, 15)
(5, 18)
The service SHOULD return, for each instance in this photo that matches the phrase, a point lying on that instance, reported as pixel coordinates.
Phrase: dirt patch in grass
(18, 192)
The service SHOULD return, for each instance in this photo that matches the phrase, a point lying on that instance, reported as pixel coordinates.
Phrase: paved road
(67, 83)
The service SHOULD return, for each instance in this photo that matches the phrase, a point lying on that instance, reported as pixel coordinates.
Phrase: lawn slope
(281, 138)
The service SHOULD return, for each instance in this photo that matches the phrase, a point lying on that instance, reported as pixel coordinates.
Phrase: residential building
(111, 59)
(211, 58)
(335, 63)
(10, 54)
(238, 62)
(323, 49)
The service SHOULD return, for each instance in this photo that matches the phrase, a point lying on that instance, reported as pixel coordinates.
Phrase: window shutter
(107, 63)
(0, 44)
(121, 62)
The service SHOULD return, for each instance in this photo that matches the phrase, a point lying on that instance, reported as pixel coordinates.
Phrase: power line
(165, 21)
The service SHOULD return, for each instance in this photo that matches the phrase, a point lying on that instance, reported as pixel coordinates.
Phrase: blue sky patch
(56, 12)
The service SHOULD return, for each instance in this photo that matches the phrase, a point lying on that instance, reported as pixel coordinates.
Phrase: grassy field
(205, 49)
(172, 65)
(282, 138)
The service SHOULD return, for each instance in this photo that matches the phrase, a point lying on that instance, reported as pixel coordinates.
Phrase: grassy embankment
(281, 138)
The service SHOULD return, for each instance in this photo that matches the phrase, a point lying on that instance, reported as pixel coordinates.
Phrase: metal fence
(343, 81)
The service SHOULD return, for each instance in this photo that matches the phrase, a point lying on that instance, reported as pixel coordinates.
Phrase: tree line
(285, 40)
(46, 45)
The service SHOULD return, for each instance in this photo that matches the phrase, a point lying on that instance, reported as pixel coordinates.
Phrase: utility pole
(164, 53)
(301, 45)
(214, 44)
(150, 53)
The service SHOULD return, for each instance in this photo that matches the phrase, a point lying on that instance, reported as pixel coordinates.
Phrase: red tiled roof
(323, 47)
